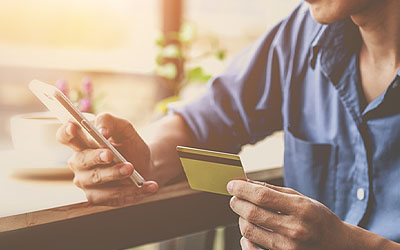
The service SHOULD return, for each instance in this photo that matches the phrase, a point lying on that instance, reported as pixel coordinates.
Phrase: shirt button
(360, 194)
(395, 84)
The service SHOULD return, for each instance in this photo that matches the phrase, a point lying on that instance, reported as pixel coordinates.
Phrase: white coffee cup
(34, 135)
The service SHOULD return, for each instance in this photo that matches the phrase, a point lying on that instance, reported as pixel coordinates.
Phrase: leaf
(221, 54)
(171, 51)
(197, 74)
(159, 59)
(160, 39)
(187, 32)
(168, 71)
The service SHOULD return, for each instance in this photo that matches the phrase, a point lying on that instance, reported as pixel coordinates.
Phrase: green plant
(174, 50)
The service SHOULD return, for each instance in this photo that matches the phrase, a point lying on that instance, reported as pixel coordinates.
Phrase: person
(328, 76)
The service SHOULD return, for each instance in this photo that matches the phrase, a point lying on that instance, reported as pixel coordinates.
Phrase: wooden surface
(178, 190)
(53, 214)
(24, 220)
(23, 192)
(126, 227)
(174, 211)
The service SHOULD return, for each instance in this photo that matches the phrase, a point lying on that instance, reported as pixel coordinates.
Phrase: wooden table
(54, 214)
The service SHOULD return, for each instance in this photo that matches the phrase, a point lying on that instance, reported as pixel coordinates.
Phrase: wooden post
(171, 23)
(171, 15)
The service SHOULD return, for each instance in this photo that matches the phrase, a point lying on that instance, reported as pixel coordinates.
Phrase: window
(79, 35)
(112, 42)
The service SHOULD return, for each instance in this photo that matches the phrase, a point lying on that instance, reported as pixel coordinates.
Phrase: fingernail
(229, 187)
(102, 131)
(125, 170)
(153, 187)
(69, 129)
(231, 201)
(104, 156)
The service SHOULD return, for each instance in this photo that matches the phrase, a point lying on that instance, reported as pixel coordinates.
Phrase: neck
(379, 26)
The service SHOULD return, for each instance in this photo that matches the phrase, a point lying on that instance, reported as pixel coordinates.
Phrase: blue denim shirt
(303, 78)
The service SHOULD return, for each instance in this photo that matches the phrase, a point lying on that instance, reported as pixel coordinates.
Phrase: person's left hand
(281, 218)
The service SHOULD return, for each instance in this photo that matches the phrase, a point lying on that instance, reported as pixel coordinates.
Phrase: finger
(73, 136)
(148, 187)
(258, 235)
(248, 245)
(259, 216)
(85, 138)
(263, 196)
(120, 195)
(102, 175)
(66, 135)
(87, 158)
(277, 188)
(111, 126)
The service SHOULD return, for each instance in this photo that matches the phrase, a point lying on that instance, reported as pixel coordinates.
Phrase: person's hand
(281, 218)
(101, 180)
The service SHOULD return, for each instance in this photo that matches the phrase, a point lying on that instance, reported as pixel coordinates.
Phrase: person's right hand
(102, 181)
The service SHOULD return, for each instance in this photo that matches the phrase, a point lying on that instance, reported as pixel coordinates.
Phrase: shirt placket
(345, 83)
(363, 160)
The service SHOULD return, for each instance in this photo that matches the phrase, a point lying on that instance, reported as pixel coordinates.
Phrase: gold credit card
(210, 171)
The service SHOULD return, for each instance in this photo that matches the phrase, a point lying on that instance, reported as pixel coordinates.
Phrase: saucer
(21, 165)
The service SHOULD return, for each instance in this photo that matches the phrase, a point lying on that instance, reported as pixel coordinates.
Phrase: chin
(323, 16)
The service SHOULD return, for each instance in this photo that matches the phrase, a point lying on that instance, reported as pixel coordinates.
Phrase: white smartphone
(65, 111)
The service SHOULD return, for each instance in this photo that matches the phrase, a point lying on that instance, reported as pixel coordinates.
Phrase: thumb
(149, 187)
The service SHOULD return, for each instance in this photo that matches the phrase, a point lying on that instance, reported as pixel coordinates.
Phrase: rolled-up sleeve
(242, 105)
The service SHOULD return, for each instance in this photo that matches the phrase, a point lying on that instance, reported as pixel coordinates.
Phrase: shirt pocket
(310, 168)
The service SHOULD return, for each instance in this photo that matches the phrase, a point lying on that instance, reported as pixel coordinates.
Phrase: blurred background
(135, 53)
(137, 57)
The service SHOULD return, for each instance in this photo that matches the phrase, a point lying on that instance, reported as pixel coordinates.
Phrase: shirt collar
(330, 34)
(335, 42)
